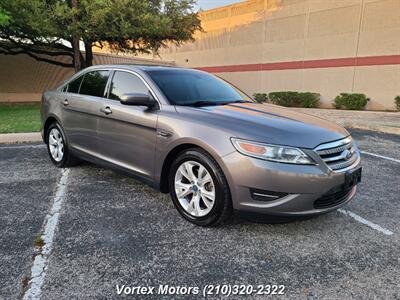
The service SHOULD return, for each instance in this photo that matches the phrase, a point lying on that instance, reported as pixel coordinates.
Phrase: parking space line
(365, 222)
(39, 267)
(381, 156)
(23, 146)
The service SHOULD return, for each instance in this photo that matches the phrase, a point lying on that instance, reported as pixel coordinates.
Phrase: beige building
(23, 79)
(325, 46)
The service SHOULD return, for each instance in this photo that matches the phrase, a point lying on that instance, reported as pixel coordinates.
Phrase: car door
(81, 109)
(127, 134)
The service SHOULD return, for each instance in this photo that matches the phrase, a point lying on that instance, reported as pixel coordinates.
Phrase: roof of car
(140, 67)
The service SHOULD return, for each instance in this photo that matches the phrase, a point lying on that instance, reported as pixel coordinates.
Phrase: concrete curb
(378, 121)
(382, 129)
(13, 138)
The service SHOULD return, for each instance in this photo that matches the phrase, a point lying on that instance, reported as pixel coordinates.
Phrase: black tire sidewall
(62, 162)
(219, 182)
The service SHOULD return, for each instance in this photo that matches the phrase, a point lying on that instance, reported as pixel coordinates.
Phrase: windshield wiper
(213, 103)
(200, 103)
(238, 101)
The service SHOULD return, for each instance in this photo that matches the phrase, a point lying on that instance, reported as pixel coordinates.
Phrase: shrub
(282, 98)
(351, 101)
(295, 99)
(260, 97)
(397, 101)
(308, 99)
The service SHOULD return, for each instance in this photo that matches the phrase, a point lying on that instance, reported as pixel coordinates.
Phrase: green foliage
(19, 118)
(49, 28)
(309, 100)
(4, 18)
(295, 99)
(351, 101)
(39, 241)
(260, 97)
(397, 102)
(137, 25)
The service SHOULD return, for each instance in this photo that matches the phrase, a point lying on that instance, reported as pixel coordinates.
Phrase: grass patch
(20, 118)
(38, 242)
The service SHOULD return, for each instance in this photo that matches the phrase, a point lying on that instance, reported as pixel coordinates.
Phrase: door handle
(106, 110)
(65, 102)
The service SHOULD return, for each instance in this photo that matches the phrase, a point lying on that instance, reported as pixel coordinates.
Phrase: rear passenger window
(94, 83)
(123, 83)
(73, 86)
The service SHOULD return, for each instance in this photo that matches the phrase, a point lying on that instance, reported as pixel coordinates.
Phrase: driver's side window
(123, 83)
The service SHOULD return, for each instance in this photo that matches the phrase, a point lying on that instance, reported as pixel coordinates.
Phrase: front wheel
(199, 189)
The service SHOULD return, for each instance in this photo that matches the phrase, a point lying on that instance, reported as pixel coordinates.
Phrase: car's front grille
(338, 155)
(332, 199)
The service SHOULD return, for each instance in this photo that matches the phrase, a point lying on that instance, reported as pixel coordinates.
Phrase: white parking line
(381, 156)
(23, 146)
(39, 267)
(366, 222)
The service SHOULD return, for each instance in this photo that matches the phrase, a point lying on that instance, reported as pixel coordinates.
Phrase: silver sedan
(201, 139)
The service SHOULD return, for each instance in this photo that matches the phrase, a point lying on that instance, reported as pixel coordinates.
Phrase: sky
(209, 4)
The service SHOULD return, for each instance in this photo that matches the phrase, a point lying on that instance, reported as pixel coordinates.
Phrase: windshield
(191, 87)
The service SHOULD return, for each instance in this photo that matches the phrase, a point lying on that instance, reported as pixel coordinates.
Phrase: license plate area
(352, 178)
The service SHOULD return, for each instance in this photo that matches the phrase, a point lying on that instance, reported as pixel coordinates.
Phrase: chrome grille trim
(334, 154)
(334, 150)
(345, 164)
(334, 144)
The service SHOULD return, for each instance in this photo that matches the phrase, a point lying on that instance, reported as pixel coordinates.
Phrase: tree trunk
(88, 54)
(75, 40)
(76, 58)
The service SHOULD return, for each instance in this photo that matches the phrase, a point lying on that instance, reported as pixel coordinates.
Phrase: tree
(47, 29)
(4, 18)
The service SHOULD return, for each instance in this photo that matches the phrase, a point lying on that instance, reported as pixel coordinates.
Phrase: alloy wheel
(56, 144)
(194, 188)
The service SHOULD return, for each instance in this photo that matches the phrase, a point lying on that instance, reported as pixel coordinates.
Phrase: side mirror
(138, 99)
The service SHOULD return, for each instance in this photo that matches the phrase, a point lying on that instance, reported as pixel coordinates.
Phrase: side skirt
(101, 162)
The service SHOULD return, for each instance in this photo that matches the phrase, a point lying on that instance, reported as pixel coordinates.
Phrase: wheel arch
(173, 153)
(50, 120)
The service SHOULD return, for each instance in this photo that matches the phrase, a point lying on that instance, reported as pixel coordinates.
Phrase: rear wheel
(199, 188)
(57, 147)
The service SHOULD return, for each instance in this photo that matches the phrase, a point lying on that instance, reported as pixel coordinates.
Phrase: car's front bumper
(301, 186)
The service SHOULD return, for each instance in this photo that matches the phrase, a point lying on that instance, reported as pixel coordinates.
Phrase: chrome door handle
(65, 102)
(106, 110)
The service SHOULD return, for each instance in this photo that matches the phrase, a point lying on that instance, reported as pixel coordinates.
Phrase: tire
(60, 154)
(194, 201)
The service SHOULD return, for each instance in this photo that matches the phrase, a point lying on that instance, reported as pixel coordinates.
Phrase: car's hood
(268, 123)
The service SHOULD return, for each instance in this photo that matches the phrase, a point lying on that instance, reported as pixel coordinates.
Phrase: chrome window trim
(78, 74)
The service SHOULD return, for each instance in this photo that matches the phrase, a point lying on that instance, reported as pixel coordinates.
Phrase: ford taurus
(201, 139)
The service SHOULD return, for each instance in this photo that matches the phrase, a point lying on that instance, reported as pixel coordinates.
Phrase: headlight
(282, 154)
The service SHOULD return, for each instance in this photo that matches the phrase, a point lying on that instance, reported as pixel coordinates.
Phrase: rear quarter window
(73, 86)
(94, 83)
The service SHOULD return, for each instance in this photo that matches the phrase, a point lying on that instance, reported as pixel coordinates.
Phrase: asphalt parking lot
(113, 230)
